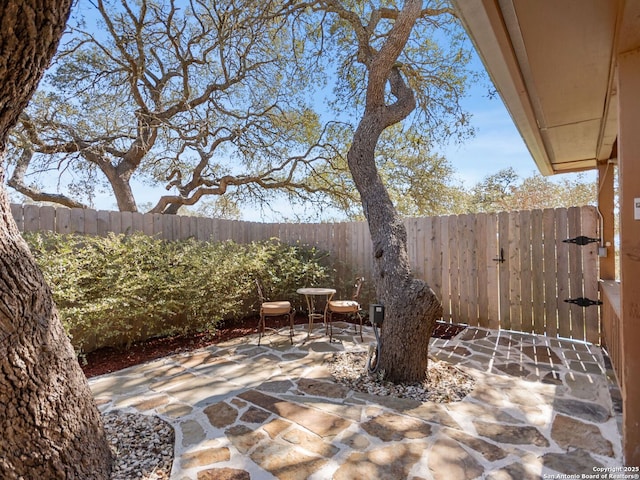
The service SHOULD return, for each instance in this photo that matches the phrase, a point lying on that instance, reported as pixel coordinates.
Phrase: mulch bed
(109, 359)
(447, 330)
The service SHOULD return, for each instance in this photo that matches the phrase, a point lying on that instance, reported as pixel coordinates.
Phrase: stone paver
(320, 423)
(448, 460)
(192, 432)
(205, 457)
(489, 451)
(389, 427)
(571, 433)
(221, 414)
(511, 434)
(541, 408)
(392, 462)
(223, 474)
(286, 462)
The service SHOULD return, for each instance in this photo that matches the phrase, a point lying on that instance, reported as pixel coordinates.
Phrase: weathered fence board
(537, 272)
(493, 279)
(550, 264)
(562, 273)
(31, 218)
(483, 260)
(445, 280)
(466, 265)
(509, 270)
(526, 302)
(514, 296)
(48, 218)
(503, 276)
(454, 268)
(575, 274)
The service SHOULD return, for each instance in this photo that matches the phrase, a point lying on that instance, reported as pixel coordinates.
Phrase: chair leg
(359, 318)
(291, 320)
(329, 325)
(261, 326)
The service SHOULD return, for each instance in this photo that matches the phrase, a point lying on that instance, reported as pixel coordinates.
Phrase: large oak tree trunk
(411, 307)
(121, 189)
(50, 427)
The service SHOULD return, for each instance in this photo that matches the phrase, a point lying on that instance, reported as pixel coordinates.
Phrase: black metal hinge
(583, 302)
(581, 240)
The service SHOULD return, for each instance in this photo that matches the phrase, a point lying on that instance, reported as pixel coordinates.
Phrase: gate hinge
(581, 240)
(583, 302)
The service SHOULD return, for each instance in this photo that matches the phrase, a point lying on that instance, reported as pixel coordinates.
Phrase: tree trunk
(411, 307)
(51, 428)
(121, 190)
(50, 425)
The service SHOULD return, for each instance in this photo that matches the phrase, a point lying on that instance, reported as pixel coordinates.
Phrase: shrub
(119, 289)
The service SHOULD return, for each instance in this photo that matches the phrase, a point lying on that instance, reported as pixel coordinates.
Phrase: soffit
(553, 64)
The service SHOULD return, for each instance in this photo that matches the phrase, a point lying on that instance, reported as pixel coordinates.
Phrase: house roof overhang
(554, 65)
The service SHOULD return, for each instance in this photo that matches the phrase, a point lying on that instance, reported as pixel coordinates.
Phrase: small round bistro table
(311, 294)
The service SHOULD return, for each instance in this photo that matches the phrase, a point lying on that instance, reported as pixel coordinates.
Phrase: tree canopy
(235, 97)
(234, 104)
(506, 191)
(373, 44)
(204, 97)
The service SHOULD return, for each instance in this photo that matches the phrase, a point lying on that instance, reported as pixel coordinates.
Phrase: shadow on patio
(540, 406)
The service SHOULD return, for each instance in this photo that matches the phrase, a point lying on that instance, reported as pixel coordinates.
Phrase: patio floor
(541, 407)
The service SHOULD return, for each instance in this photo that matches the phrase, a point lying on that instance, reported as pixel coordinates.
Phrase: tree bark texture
(411, 307)
(50, 426)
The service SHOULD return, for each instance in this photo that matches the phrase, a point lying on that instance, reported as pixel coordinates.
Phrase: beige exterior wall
(605, 206)
(629, 165)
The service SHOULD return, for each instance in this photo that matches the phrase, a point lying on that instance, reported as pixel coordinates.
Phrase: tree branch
(17, 181)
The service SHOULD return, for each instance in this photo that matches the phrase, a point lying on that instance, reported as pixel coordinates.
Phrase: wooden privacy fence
(510, 270)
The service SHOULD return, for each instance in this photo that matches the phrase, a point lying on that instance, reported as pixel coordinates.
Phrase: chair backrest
(357, 287)
(260, 288)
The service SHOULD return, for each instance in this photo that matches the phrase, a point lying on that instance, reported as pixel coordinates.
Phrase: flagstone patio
(540, 406)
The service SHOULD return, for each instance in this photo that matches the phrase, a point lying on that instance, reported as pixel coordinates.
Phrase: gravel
(444, 382)
(141, 444)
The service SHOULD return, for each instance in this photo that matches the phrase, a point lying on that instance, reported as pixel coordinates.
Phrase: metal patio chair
(273, 309)
(347, 307)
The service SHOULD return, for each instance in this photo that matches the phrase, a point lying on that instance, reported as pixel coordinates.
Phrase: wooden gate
(513, 270)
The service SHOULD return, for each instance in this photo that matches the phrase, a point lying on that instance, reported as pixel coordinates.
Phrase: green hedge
(120, 289)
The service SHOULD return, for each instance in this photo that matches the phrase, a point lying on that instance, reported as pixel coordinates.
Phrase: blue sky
(496, 145)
